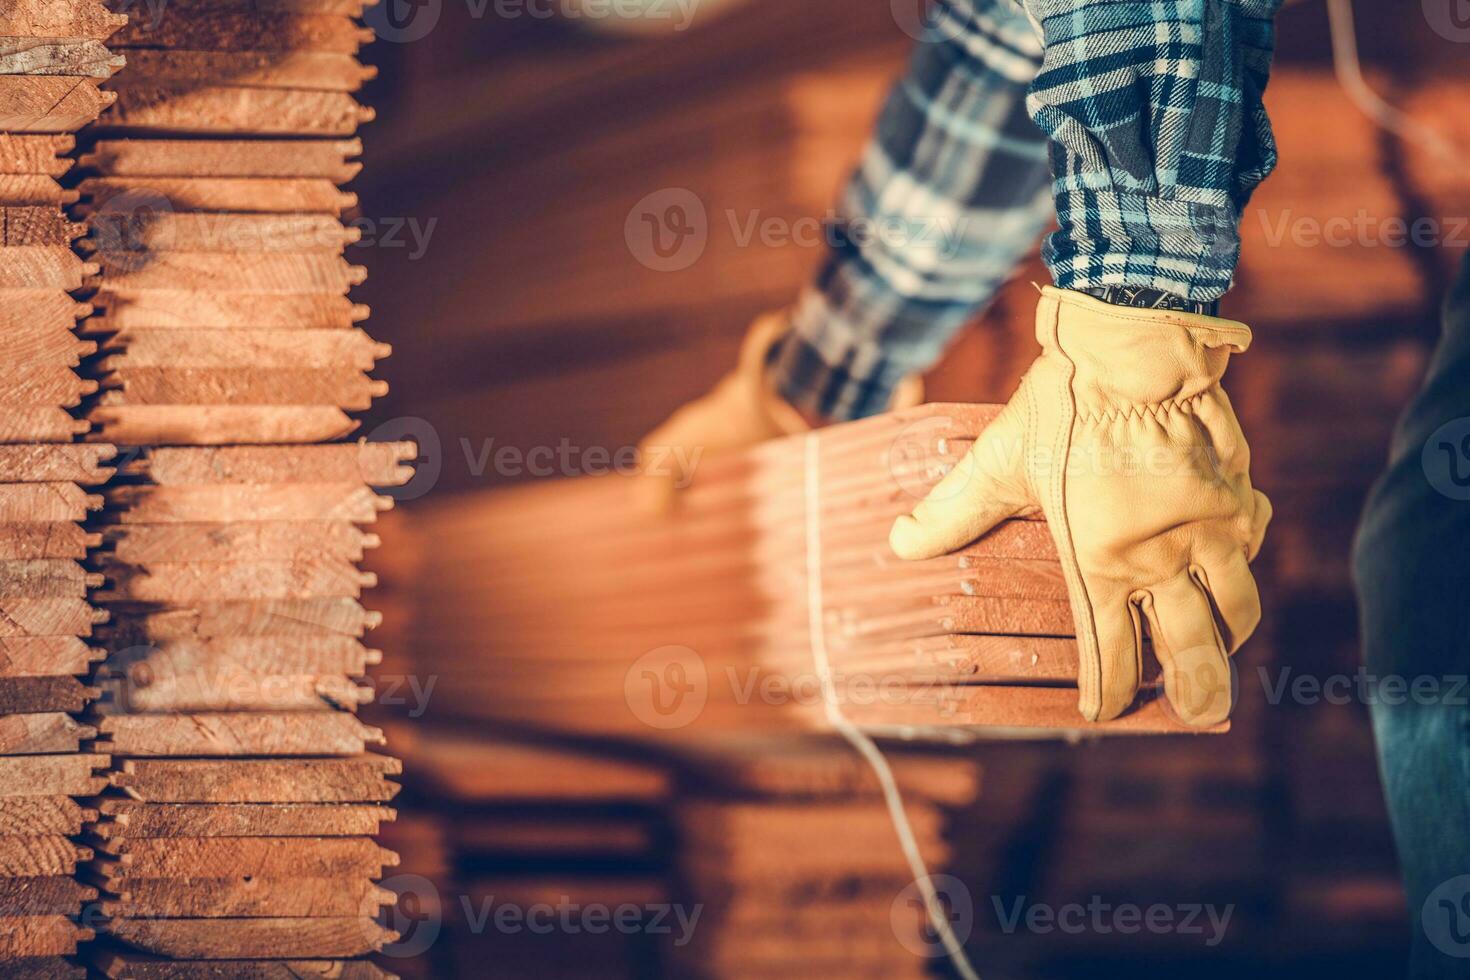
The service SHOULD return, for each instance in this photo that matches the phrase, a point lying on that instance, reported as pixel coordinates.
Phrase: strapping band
(855, 736)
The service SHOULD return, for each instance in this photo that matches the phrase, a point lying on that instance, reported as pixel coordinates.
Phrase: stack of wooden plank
(52, 61)
(702, 618)
(245, 799)
(223, 308)
(243, 794)
(788, 851)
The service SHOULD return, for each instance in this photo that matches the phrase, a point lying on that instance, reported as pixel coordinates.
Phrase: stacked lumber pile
(244, 794)
(223, 311)
(52, 61)
(505, 822)
(701, 617)
(245, 797)
(791, 855)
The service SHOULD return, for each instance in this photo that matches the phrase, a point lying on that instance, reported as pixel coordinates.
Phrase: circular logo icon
(1450, 19)
(129, 227)
(1446, 917)
(919, 456)
(417, 915)
(429, 463)
(1199, 685)
(403, 21)
(913, 926)
(925, 21)
(667, 688)
(1446, 459)
(668, 230)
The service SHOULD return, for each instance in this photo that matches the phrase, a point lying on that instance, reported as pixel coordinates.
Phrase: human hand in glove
(1121, 436)
(743, 409)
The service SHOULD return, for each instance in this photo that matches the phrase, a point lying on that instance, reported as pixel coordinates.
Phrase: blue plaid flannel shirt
(1141, 122)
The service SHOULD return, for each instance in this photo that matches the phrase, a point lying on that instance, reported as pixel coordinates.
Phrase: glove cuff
(1124, 358)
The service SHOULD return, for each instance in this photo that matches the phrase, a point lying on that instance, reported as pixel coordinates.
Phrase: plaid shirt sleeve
(1150, 114)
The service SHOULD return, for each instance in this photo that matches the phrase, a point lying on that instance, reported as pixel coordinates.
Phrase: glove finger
(1110, 652)
(970, 500)
(1232, 589)
(1197, 678)
(1260, 518)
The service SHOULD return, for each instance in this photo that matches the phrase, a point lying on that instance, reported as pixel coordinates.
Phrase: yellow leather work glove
(743, 409)
(1121, 436)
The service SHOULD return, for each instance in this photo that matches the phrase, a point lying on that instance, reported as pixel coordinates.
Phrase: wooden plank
(154, 308)
(247, 541)
(32, 213)
(242, 689)
(211, 8)
(42, 730)
(230, 110)
(325, 159)
(138, 966)
(48, 617)
(245, 31)
(247, 272)
(253, 938)
(74, 463)
(45, 578)
(186, 504)
(34, 154)
(378, 464)
(45, 656)
(51, 775)
(40, 308)
(47, 895)
(249, 195)
(139, 235)
(229, 734)
(39, 856)
(348, 389)
(46, 18)
(55, 385)
(135, 819)
(299, 897)
(40, 935)
(50, 103)
(26, 815)
(140, 623)
(359, 780)
(322, 71)
(256, 857)
(57, 56)
(245, 348)
(191, 580)
(60, 539)
(43, 267)
(45, 502)
(214, 425)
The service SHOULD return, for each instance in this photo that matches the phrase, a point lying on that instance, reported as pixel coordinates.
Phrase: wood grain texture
(219, 425)
(243, 30)
(359, 780)
(378, 464)
(135, 819)
(193, 580)
(246, 540)
(46, 18)
(52, 775)
(50, 103)
(231, 734)
(234, 110)
(139, 966)
(250, 195)
(319, 71)
(30, 815)
(297, 897)
(21, 154)
(133, 623)
(61, 539)
(136, 234)
(42, 729)
(253, 938)
(331, 160)
(354, 502)
(57, 56)
(124, 309)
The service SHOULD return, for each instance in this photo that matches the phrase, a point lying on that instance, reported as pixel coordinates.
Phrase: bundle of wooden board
(701, 617)
(240, 820)
(789, 854)
(51, 62)
(223, 314)
(243, 796)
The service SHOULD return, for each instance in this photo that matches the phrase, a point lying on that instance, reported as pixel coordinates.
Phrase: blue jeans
(1412, 572)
